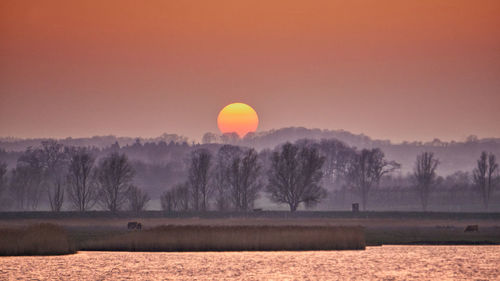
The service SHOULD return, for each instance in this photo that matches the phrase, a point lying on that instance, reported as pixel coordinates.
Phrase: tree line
(222, 177)
(72, 174)
(300, 173)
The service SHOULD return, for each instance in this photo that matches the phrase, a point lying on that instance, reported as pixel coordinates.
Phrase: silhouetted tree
(38, 170)
(209, 138)
(56, 196)
(168, 201)
(176, 199)
(198, 178)
(244, 180)
(484, 176)
(26, 181)
(295, 175)
(114, 176)
(137, 199)
(424, 174)
(82, 188)
(230, 138)
(4, 201)
(3, 177)
(338, 157)
(221, 179)
(54, 159)
(19, 186)
(365, 171)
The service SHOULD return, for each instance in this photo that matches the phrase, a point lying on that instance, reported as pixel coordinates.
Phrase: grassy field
(379, 227)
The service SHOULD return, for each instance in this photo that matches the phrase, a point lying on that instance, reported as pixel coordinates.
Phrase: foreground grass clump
(40, 239)
(234, 238)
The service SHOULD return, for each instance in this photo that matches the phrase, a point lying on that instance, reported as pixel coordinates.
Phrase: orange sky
(399, 70)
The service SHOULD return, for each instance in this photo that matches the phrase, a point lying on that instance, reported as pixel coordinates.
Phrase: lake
(386, 262)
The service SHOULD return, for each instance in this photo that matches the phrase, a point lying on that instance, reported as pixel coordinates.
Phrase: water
(387, 262)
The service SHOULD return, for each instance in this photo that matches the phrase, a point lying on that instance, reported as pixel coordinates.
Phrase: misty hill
(161, 163)
(454, 156)
(18, 144)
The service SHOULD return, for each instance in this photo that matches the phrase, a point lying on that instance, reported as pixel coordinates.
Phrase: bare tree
(484, 176)
(168, 201)
(82, 188)
(176, 199)
(337, 158)
(365, 171)
(198, 178)
(38, 170)
(114, 176)
(230, 138)
(244, 180)
(235, 178)
(137, 199)
(182, 196)
(18, 186)
(26, 180)
(54, 159)
(424, 174)
(209, 138)
(56, 197)
(221, 179)
(295, 175)
(3, 177)
(4, 203)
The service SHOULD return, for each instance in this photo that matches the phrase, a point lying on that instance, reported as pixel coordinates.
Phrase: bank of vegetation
(39, 239)
(234, 238)
(50, 239)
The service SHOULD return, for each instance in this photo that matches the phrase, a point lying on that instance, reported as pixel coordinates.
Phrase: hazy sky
(399, 70)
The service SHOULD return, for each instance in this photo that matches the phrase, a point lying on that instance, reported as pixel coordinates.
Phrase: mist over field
(162, 165)
(454, 155)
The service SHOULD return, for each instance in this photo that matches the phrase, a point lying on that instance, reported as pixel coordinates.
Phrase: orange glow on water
(239, 118)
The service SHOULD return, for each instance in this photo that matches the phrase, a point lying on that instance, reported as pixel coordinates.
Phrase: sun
(239, 118)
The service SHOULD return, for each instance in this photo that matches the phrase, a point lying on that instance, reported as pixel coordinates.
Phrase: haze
(399, 70)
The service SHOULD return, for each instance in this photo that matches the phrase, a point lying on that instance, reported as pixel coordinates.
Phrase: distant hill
(18, 144)
(453, 156)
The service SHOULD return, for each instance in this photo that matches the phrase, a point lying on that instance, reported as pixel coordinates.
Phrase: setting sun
(239, 118)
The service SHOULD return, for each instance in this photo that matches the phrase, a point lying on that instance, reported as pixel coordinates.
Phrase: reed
(234, 238)
(39, 239)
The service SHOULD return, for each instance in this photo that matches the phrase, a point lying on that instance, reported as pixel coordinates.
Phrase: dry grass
(234, 238)
(100, 233)
(40, 239)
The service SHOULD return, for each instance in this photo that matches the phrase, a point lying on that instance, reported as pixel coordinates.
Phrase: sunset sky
(399, 70)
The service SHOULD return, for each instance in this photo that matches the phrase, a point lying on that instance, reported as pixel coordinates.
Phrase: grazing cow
(133, 225)
(472, 228)
(257, 210)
